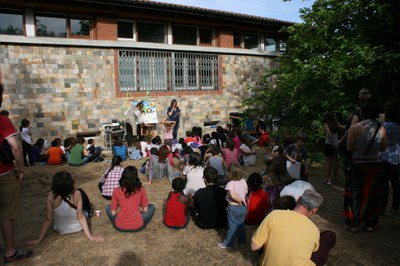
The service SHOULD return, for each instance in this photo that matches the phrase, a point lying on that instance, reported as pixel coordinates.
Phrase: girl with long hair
(174, 113)
(129, 210)
(110, 179)
(332, 128)
(193, 172)
(160, 165)
(65, 218)
(230, 153)
(237, 207)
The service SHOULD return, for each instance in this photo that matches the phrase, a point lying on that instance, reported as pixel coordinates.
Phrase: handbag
(353, 167)
(6, 155)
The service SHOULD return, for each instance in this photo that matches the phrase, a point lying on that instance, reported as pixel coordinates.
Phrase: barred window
(141, 71)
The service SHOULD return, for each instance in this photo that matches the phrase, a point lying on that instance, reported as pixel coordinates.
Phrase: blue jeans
(145, 215)
(236, 228)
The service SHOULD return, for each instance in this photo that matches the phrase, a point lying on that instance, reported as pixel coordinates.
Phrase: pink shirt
(129, 216)
(167, 134)
(230, 156)
(236, 140)
(239, 187)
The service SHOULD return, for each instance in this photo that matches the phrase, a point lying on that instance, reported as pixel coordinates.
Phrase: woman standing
(129, 210)
(364, 185)
(391, 157)
(331, 127)
(174, 114)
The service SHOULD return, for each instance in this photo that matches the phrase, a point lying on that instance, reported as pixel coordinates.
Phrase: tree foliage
(341, 47)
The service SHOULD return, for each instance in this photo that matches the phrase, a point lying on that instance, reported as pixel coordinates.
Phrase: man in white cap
(291, 238)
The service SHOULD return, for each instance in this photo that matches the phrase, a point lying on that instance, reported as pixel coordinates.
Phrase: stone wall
(69, 90)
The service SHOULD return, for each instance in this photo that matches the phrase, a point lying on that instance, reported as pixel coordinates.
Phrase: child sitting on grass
(120, 150)
(259, 204)
(177, 206)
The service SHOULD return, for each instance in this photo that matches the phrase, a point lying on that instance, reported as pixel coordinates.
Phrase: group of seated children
(72, 152)
(199, 192)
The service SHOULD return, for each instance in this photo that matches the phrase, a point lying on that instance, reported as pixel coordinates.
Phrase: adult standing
(331, 127)
(135, 118)
(291, 238)
(174, 114)
(363, 191)
(391, 157)
(10, 188)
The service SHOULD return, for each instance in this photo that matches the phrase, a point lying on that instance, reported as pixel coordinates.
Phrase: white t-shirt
(195, 181)
(143, 147)
(65, 221)
(248, 159)
(239, 187)
(25, 135)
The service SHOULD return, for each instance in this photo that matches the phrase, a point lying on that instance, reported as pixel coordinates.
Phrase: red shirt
(175, 213)
(189, 139)
(129, 216)
(6, 130)
(55, 155)
(257, 207)
(263, 139)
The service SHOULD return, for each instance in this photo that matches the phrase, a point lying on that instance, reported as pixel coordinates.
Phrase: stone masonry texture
(68, 90)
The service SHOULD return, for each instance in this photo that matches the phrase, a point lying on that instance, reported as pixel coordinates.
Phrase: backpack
(86, 205)
(6, 155)
(135, 155)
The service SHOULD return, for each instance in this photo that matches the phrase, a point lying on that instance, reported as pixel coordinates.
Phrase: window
(80, 27)
(251, 41)
(141, 71)
(51, 26)
(205, 36)
(282, 46)
(11, 24)
(125, 30)
(237, 39)
(184, 35)
(151, 32)
(270, 44)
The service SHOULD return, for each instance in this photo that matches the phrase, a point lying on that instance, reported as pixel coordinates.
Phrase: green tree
(341, 47)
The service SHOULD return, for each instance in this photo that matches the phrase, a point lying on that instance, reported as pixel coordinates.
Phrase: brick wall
(225, 39)
(64, 90)
(106, 28)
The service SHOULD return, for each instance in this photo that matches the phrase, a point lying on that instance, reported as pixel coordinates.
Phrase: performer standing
(135, 114)
(174, 114)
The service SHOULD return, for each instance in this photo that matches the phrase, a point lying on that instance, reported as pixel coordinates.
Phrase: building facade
(72, 66)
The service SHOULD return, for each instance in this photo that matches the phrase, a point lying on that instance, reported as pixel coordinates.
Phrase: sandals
(18, 255)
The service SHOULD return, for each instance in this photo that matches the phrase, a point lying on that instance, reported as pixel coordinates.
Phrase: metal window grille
(141, 71)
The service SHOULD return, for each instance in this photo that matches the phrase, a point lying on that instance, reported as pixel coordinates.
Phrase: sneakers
(326, 181)
(222, 245)
(18, 255)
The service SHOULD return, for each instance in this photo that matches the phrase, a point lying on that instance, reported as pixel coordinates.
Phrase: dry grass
(159, 245)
